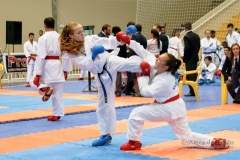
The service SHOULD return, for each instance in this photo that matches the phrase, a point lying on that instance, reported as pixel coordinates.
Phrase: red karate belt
(52, 57)
(34, 55)
(174, 48)
(174, 98)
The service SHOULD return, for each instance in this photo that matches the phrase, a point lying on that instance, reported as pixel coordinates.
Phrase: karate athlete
(168, 106)
(154, 45)
(105, 65)
(208, 45)
(49, 76)
(175, 45)
(207, 72)
(232, 36)
(30, 50)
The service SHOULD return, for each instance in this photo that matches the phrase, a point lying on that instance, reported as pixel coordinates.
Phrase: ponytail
(156, 35)
(173, 64)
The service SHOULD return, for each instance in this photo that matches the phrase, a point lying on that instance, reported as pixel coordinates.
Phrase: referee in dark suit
(191, 48)
(106, 31)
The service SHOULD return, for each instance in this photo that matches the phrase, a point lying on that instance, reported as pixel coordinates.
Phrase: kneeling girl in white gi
(168, 107)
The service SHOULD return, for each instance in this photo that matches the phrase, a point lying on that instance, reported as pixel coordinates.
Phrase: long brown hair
(231, 52)
(68, 44)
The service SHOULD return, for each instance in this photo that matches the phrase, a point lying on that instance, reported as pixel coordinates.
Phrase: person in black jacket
(106, 31)
(191, 48)
(122, 53)
(129, 87)
(162, 37)
(132, 77)
(228, 70)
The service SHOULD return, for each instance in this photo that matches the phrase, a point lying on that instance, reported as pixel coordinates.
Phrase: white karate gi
(152, 46)
(210, 73)
(162, 87)
(209, 48)
(233, 38)
(106, 113)
(175, 46)
(51, 70)
(30, 48)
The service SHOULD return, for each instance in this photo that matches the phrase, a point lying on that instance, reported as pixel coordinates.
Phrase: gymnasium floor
(25, 134)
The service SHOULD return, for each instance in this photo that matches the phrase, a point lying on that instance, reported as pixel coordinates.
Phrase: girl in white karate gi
(168, 106)
(105, 65)
(175, 46)
(207, 73)
(154, 45)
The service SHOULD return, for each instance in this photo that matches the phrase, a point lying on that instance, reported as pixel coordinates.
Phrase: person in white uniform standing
(232, 36)
(49, 71)
(175, 46)
(30, 50)
(208, 45)
(168, 107)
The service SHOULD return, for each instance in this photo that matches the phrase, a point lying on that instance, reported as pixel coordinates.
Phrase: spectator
(122, 53)
(30, 50)
(232, 36)
(230, 70)
(162, 37)
(154, 45)
(207, 72)
(106, 31)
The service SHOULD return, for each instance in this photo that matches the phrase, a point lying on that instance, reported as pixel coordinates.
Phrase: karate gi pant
(57, 97)
(175, 114)
(106, 112)
(30, 68)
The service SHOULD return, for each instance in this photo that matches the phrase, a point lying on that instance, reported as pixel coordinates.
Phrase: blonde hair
(68, 44)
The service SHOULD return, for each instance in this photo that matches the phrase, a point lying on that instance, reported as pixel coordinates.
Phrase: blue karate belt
(103, 87)
(208, 52)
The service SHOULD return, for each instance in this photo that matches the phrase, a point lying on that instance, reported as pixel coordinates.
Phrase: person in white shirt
(207, 72)
(49, 74)
(175, 46)
(30, 50)
(232, 36)
(159, 82)
(208, 45)
(154, 45)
